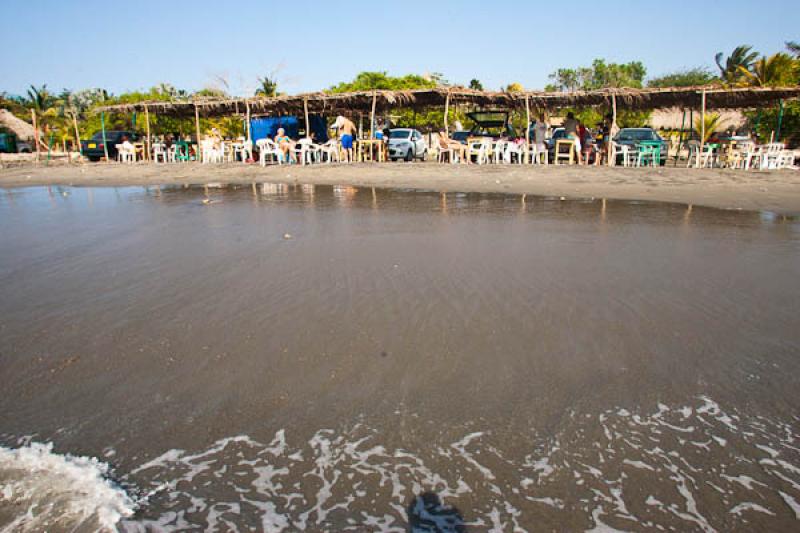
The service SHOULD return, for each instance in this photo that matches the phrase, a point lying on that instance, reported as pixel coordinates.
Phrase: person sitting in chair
(285, 145)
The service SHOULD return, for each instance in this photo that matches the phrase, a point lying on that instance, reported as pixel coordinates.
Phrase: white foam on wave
(63, 492)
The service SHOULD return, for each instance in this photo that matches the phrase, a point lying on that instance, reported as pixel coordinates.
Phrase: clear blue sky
(126, 45)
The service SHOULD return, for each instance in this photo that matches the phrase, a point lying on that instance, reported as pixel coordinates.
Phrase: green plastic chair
(650, 151)
(181, 151)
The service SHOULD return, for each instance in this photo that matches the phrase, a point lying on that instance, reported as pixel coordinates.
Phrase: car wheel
(94, 159)
(409, 155)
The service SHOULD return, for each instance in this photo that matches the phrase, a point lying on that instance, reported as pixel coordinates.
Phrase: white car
(407, 144)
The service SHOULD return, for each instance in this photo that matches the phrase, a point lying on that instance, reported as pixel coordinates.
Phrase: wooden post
(197, 131)
(372, 115)
(703, 121)
(611, 130)
(77, 133)
(305, 112)
(247, 117)
(103, 128)
(149, 143)
(527, 128)
(35, 132)
(446, 112)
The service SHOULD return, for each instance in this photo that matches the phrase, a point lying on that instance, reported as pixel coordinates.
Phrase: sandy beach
(775, 191)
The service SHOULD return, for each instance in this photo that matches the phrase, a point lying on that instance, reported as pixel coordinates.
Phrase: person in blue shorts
(347, 133)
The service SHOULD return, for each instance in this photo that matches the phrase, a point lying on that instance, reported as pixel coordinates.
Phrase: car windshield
(399, 134)
(637, 135)
(110, 135)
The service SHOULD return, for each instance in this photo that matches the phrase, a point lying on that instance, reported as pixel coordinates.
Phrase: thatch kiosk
(372, 102)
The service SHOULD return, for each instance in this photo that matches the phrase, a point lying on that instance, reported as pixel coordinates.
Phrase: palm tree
(794, 48)
(741, 57)
(712, 123)
(775, 71)
(269, 86)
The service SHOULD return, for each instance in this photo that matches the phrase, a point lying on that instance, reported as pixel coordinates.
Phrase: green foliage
(684, 78)
(741, 58)
(794, 48)
(599, 76)
(778, 70)
(712, 124)
(765, 121)
(475, 85)
(367, 81)
(268, 86)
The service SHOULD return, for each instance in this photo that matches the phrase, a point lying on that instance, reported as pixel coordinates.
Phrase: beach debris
(562, 198)
(287, 236)
(497, 181)
(206, 201)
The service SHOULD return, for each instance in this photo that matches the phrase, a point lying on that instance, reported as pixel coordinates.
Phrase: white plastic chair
(514, 151)
(208, 153)
(538, 154)
(268, 148)
(497, 154)
(243, 150)
(159, 152)
(480, 150)
(330, 151)
(126, 153)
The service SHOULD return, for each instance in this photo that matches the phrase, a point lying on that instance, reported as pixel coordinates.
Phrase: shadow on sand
(427, 514)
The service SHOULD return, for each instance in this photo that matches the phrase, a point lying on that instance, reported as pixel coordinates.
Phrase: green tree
(741, 58)
(367, 81)
(684, 78)
(475, 85)
(794, 48)
(268, 86)
(712, 124)
(777, 70)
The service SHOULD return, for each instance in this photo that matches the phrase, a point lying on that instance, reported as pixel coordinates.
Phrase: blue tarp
(267, 127)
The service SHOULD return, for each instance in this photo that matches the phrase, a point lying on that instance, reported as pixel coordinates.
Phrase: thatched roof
(20, 128)
(361, 102)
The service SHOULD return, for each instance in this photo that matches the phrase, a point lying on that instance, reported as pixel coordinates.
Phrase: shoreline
(774, 191)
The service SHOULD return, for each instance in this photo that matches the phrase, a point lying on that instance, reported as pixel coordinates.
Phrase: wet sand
(775, 191)
(278, 357)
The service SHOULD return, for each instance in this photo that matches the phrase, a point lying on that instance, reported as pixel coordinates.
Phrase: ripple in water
(696, 467)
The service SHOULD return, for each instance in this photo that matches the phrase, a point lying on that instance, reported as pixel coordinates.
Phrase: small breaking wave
(44, 491)
(692, 467)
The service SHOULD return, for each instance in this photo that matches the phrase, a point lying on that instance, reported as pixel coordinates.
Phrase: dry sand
(776, 191)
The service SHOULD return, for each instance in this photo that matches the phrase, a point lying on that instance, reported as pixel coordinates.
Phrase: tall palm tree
(775, 71)
(794, 48)
(741, 57)
(268, 86)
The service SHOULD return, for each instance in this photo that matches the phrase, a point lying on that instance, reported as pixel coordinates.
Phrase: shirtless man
(347, 132)
(571, 129)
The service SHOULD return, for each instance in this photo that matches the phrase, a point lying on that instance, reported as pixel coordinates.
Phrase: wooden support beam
(372, 115)
(305, 112)
(446, 112)
(247, 117)
(77, 133)
(35, 132)
(103, 128)
(527, 130)
(197, 131)
(148, 145)
(611, 129)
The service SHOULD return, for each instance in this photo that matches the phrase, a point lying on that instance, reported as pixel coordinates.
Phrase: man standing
(347, 132)
(571, 130)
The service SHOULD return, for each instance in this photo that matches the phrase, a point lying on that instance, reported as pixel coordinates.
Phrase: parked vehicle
(493, 124)
(93, 148)
(8, 143)
(407, 144)
(632, 137)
